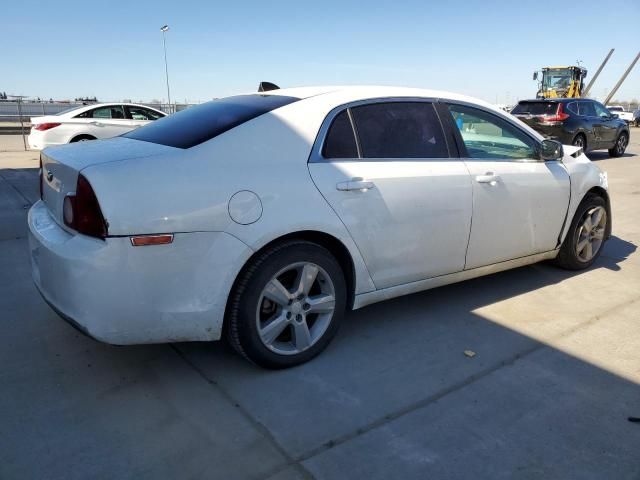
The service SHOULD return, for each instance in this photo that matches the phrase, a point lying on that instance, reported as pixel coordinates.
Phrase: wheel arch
(336, 247)
(601, 192)
(78, 136)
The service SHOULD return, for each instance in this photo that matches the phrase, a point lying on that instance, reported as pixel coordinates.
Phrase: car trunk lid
(62, 165)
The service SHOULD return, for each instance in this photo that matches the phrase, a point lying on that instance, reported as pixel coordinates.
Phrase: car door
(590, 122)
(108, 121)
(385, 169)
(607, 124)
(519, 202)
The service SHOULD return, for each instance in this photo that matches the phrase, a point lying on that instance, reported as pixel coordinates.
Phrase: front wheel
(620, 146)
(586, 236)
(287, 305)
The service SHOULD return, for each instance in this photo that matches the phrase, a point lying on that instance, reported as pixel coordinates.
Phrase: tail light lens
(45, 126)
(82, 211)
(558, 117)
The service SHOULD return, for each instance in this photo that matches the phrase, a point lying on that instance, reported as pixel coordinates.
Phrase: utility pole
(164, 29)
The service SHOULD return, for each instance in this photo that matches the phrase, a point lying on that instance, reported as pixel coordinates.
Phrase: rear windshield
(198, 124)
(536, 108)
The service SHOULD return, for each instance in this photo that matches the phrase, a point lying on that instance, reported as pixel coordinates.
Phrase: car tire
(580, 141)
(582, 245)
(82, 138)
(277, 320)
(620, 146)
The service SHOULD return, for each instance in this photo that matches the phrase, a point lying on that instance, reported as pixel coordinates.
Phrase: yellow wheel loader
(561, 82)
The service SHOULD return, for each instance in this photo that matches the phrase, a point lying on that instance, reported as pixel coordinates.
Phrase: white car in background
(89, 122)
(621, 112)
(265, 216)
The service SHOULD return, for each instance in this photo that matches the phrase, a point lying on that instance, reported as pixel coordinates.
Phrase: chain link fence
(10, 110)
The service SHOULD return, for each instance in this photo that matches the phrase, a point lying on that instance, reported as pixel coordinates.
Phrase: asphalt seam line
(262, 429)
(16, 189)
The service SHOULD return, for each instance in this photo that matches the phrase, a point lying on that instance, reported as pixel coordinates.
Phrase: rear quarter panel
(188, 190)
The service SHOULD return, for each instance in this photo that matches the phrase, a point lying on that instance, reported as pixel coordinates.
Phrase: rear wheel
(620, 146)
(580, 141)
(82, 138)
(287, 305)
(586, 236)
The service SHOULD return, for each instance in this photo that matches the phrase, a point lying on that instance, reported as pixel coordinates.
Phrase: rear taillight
(41, 180)
(558, 117)
(82, 211)
(45, 126)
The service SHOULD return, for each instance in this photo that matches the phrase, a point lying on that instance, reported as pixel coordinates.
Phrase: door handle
(97, 124)
(489, 177)
(355, 184)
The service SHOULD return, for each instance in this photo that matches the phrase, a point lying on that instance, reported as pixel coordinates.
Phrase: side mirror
(615, 115)
(551, 150)
(535, 75)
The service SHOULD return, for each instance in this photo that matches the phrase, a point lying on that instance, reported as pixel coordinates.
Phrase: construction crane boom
(604, 62)
(622, 79)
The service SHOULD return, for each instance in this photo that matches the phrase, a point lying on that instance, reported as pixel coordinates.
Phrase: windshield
(198, 124)
(536, 108)
(556, 79)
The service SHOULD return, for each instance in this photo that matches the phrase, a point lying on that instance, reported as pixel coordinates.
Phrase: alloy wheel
(621, 144)
(295, 308)
(579, 141)
(591, 233)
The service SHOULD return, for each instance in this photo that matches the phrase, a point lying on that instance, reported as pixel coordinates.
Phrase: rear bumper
(125, 295)
(38, 140)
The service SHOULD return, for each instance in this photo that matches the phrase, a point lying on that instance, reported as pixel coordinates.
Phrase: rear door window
(535, 108)
(399, 130)
(113, 112)
(586, 109)
(109, 111)
(341, 140)
(572, 108)
(198, 124)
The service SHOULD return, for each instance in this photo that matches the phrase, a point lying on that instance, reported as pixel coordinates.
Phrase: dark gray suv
(576, 121)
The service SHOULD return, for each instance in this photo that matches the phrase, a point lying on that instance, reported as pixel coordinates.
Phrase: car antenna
(267, 86)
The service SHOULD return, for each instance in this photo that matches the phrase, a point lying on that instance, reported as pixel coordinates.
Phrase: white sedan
(263, 217)
(89, 122)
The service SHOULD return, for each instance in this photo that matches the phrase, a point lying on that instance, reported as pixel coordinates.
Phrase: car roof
(337, 95)
(329, 97)
(556, 100)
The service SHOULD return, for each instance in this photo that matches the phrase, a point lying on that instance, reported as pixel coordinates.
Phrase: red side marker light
(144, 240)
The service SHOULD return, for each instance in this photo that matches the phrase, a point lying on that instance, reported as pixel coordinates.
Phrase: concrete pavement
(547, 395)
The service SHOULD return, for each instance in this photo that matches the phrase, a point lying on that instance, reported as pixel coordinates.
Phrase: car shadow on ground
(599, 155)
(394, 359)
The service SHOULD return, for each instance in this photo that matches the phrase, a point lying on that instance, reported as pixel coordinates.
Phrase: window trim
(316, 151)
(464, 154)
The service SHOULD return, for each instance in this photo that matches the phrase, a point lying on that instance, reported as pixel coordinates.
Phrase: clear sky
(488, 49)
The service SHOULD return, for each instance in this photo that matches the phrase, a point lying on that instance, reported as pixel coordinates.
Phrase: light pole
(164, 29)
